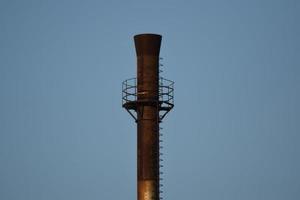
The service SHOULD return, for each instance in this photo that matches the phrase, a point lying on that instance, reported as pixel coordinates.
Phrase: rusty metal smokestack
(147, 50)
(148, 99)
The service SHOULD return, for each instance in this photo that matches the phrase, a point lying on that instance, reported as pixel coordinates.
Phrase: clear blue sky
(234, 132)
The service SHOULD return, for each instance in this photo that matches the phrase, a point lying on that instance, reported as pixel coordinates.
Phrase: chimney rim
(147, 34)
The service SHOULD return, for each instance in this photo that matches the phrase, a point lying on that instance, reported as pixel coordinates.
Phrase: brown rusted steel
(147, 50)
(144, 98)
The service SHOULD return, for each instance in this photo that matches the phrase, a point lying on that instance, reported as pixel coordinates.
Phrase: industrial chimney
(148, 99)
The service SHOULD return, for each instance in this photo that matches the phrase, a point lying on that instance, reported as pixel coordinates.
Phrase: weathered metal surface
(147, 50)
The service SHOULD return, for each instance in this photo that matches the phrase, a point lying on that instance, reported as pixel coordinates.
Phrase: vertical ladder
(160, 134)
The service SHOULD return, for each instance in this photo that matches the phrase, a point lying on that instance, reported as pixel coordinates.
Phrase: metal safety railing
(129, 90)
(166, 91)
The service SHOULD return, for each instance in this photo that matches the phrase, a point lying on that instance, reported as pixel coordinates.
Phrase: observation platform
(165, 97)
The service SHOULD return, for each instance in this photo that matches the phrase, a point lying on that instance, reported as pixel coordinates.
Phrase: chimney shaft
(147, 49)
(148, 98)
